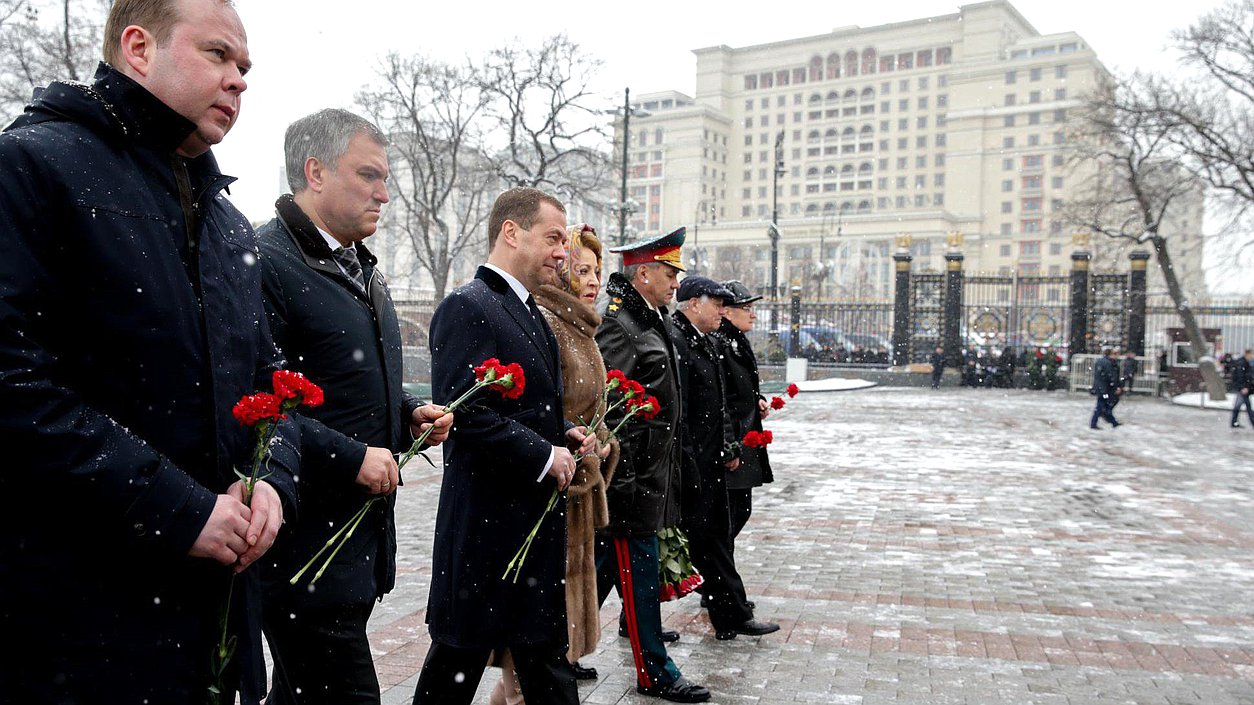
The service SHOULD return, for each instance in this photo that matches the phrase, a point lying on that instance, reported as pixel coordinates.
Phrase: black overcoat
(644, 494)
(489, 496)
(348, 341)
(707, 428)
(130, 324)
(740, 369)
(1105, 377)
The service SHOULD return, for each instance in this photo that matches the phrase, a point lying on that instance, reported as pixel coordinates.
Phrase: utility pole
(773, 231)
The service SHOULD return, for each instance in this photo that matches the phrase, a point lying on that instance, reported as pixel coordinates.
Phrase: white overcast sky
(318, 53)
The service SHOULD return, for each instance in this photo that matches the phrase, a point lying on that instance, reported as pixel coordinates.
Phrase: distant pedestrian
(1127, 371)
(1242, 380)
(938, 366)
(1105, 388)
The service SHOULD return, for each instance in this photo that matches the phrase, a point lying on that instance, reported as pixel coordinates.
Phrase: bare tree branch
(42, 41)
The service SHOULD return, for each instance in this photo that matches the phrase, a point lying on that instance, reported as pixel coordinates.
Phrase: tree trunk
(1210, 375)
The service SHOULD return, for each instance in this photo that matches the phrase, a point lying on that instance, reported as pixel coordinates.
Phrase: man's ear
(137, 49)
(315, 174)
(509, 233)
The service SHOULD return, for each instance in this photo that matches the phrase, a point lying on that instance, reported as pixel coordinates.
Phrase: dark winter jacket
(1242, 375)
(740, 374)
(645, 491)
(1127, 372)
(1105, 377)
(348, 341)
(489, 495)
(707, 428)
(130, 323)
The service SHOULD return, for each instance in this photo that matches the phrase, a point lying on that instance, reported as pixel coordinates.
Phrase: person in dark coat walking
(709, 456)
(1105, 388)
(644, 494)
(502, 462)
(938, 366)
(130, 323)
(332, 316)
(1242, 382)
(746, 406)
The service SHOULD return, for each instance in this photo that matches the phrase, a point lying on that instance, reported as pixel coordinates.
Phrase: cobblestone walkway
(961, 546)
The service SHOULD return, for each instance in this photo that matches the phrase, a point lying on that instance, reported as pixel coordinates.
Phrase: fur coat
(574, 324)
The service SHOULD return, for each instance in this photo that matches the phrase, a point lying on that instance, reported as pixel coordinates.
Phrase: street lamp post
(697, 258)
(773, 231)
(623, 208)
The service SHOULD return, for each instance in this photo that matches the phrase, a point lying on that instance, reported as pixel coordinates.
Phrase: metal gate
(1108, 312)
(1015, 311)
(927, 310)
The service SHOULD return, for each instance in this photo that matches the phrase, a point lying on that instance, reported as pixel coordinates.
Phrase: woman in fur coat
(569, 308)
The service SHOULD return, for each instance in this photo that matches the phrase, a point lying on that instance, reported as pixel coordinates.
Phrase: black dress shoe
(681, 691)
(750, 627)
(582, 673)
(668, 635)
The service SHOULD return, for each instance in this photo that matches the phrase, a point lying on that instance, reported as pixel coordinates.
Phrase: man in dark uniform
(332, 316)
(709, 456)
(644, 495)
(1105, 388)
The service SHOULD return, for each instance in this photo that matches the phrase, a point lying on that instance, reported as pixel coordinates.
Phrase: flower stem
(516, 563)
(351, 526)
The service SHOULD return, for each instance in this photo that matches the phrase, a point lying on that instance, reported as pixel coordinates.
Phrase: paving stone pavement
(959, 546)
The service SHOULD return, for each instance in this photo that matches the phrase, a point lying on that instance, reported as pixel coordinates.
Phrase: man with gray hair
(333, 318)
(644, 494)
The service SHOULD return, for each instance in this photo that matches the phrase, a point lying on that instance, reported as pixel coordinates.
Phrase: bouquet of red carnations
(676, 574)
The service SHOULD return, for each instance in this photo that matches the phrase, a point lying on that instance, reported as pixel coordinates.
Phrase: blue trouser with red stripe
(631, 566)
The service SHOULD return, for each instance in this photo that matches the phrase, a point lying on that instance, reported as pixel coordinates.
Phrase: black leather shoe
(681, 691)
(750, 627)
(582, 673)
(668, 635)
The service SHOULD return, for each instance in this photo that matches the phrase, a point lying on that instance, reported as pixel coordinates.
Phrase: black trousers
(712, 554)
(739, 509)
(451, 674)
(321, 656)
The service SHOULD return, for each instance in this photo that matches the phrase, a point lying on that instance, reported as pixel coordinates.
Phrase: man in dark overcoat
(938, 366)
(644, 494)
(502, 463)
(1105, 388)
(130, 324)
(332, 317)
(709, 456)
(746, 407)
(1242, 383)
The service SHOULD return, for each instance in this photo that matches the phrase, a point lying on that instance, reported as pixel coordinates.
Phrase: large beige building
(952, 123)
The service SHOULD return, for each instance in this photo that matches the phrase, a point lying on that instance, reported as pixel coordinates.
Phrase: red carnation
(254, 408)
(294, 385)
(511, 381)
(615, 379)
(645, 407)
(489, 370)
(632, 389)
(793, 390)
(757, 439)
(777, 403)
(767, 438)
(668, 593)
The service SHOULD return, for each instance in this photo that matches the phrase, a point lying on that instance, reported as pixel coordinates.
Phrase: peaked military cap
(660, 248)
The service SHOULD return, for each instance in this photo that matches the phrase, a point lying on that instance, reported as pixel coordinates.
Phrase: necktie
(347, 257)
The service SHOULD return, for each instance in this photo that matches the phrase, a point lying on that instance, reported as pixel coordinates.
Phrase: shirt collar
(332, 242)
(516, 286)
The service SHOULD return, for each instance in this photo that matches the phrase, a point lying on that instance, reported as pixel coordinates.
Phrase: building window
(1007, 185)
(925, 58)
(905, 61)
(1010, 77)
(1060, 115)
(1034, 140)
(1032, 161)
(1055, 182)
(1060, 94)
(901, 182)
(1060, 137)
(1031, 183)
(1008, 142)
(903, 85)
(1007, 207)
(1034, 118)
(1005, 230)
(902, 162)
(1007, 164)
(1034, 97)
(1060, 71)
(921, 122)
(1030, 248)
(903, 105)
(766, 80)
(1004, 250)
(942, 101)
(1008, 121)
(1055, 248)
(1034, 74)
(938, 179)
(751, 83)
(920, 201)
(798, 76)
(920, 162)
(1058, 160)
(1010, 99)
(1030, 204)
(940, 139)
(923, 103)
(944, 55)
(781, 79)
(1030, 226)
(900, 202)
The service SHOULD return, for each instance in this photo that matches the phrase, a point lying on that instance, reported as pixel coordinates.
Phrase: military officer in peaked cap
(643, 496)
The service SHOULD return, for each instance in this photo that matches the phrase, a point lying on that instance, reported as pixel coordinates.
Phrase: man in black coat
(938, 366)
(1105, 388)
(644, 494)
(332, 316)
(746, 407)
(1242, 382)
(709, 456)
(502, 463)
(130, 324)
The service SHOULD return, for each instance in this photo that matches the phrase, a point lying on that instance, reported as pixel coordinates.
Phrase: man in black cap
(709, 455)
(746, 407)
(644, 493)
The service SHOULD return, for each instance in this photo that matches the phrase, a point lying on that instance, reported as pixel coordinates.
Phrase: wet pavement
(959, 546)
